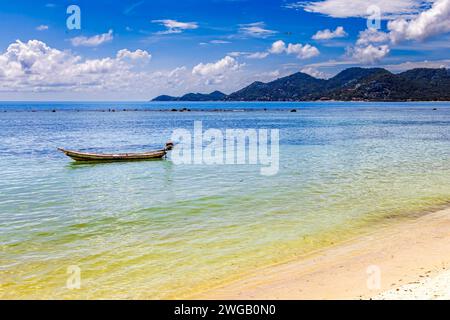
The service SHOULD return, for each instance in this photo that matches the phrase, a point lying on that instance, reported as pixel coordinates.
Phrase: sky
(134, 50)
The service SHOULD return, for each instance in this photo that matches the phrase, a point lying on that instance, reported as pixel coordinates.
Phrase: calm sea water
(159, 230)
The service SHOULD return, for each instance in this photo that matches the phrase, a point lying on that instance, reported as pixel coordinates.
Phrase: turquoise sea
(158, 230)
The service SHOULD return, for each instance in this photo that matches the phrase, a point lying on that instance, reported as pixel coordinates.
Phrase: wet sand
(408, 260)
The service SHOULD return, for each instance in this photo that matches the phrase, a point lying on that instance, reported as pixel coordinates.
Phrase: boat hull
(94, 157)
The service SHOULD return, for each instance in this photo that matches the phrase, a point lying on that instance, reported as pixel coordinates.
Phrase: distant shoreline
(300, 101)
(304, 101)
(352, 84)
(18, 102)
(198, 107)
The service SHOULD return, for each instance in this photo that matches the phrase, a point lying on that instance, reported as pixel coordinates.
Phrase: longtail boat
(98, 157)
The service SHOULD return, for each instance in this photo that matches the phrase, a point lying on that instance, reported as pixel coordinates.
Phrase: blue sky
(135, 50)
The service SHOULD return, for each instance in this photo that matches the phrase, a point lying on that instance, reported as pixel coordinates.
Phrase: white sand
(428, 288)
(412, 260)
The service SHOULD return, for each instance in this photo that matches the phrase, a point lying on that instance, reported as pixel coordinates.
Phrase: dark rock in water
(294, 110)
(53, 110)
(434, 109)
(174, 110)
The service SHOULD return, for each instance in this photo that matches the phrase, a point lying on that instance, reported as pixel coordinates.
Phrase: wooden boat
(97, 157)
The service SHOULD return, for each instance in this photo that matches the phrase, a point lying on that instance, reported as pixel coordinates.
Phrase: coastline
(345, 172)
(408, 260)
(179, 107)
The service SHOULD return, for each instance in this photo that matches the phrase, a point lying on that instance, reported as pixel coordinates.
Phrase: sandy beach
(409, 260)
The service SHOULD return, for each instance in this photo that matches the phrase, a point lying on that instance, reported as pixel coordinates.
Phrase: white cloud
(268, 76)
(272, 74)
(93, 41)
(131, 8)
(215, 72)
(134, 55)
(313, 72)
(236, 54)
(373, 45)
(256, 30)
(301, 51)
(369, 54)
(327, 34)
(34, 66)
(358, 8)
(409, 20)
(331, 63)
(42, 27)
(174, 26)
(219, 42)
(372, 36)
(33, 70)
(392, 67)
(418, 64)
(216, 42)
(258, 55)
(278, 47)
(171, 79)
(428, 23)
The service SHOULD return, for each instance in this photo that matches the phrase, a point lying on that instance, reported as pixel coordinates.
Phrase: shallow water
(159, 230)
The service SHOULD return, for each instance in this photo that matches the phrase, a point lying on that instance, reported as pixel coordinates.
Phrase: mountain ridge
(213, 96)
(352, 84)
